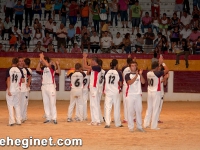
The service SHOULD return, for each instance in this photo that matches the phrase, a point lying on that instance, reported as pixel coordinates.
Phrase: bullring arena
(180, 114)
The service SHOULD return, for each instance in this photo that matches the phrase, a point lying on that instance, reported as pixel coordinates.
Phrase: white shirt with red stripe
(95, 76)
(125, 71)
(112, 79)
(15, 75)
(134, 88)
(48, 75)
(101, 80)
(154, 82)
(77, 80)
(86, 81)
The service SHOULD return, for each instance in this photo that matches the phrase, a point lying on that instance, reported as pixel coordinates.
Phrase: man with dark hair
(154, 93)
(76, 93)
(14, 77)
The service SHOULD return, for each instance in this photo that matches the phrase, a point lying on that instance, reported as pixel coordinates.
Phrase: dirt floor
(180, 130)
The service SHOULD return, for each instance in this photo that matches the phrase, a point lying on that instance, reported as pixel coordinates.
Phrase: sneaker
(55, 122)
(23, 121)
(69, 120)
(124, 121)
(107, 126)
(160, 121)
(146, 126)
(92, 124)
(140, 130)
(121, 125)
(47, 121)
(98, 124)
(19, 124)
(11, 124)
(131, 130)
(156, 129)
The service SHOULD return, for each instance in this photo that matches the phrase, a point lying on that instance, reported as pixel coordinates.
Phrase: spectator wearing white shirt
(61, 35)
(94, 42)
(106, 43)
(117, 42)
(8, 8)
(185, 33)
(49, 26)
(185, 19)
(7, 27)
(17, 32)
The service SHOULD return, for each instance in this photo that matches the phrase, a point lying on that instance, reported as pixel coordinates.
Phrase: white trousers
(160, 107)
(85, 99)
(134, 103)
(24, 96)
(94, 105)
(76, 98)
(49, 101)
(99, 105)
(152, 112)
(13, 103)
(125, 103)
(115, 100)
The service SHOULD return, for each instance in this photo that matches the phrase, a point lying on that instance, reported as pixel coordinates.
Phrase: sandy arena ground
(180, 130)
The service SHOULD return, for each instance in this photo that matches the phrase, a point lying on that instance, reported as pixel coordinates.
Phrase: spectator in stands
(62, 49)
(46, 40)
(138, 50)
(96, 18)
(127, 43)
(146, 22)
(106, 43)
(9, 8)
(185, 32)
(61, 35)
(179, 6)
(85, 14)
(12, 49)
(1, 48)
(85, 42)
(155, 57)
(27, 35)
(117, 43)
(149, 37)
(37, 36)
(164, 21)
(155, 7)
(139, 41)
(197, 48)
(174, 22)
(114, 11)
(64, 13)
(123, 7)
(7, 27)
(54, 30)
(39, 47)
(13, 40)
(19, 10)
(22, 48)
(185, 19)
(195, 20)
(186, 6)
(73, 10)
(28, 12)
(47, 10)
(195, 11)
(49, 26)
(1, 26)
(50, 48)
(17, 33)
(85, 30)
(37, 8)
(103, 12)
(163, 45)
(94, 42)
(57, 9)
(130, 4)
(186, 51)
(155, 22)
(76, 49)
(70, 34)
(37, 24)
(136, 13)
(156, 41)
(175, 37)
(194, 37)
(90, 14)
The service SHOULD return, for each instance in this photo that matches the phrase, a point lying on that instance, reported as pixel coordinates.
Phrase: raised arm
(85, 66)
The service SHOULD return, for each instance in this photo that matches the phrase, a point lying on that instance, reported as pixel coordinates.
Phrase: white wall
(64, 95)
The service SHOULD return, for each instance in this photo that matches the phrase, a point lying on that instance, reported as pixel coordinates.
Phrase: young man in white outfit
(112, 89)
(48, 88)
(134, 79)
(24, 90)
(154, 94)
(14, 77)
(95, 70)
(76, 93)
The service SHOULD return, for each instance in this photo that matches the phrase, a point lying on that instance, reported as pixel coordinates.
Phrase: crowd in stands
(151, 32)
